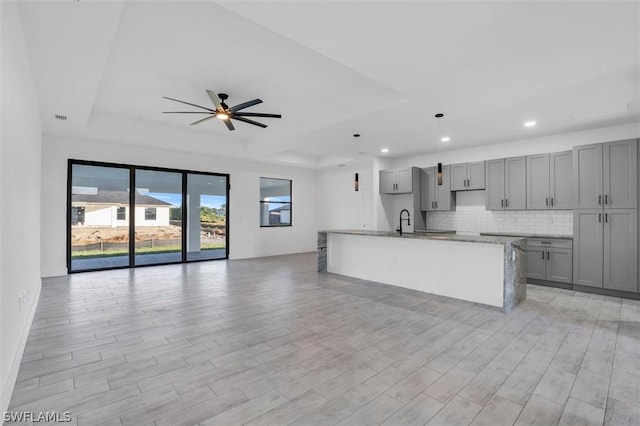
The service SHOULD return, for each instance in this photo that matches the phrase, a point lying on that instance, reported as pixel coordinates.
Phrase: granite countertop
(512, 234)
(487, 239)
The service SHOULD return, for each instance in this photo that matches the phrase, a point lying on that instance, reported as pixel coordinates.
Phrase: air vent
(61, 117)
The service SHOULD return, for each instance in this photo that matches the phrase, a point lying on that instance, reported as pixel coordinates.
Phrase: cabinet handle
(506, 202)
(543, 255)
(599, 199)
(436, 204)
(547, 255)
(606, 199)
(432, 206)
(551, 201)
(501, 203)
(547, 202)
(599, 217)
(606, 217)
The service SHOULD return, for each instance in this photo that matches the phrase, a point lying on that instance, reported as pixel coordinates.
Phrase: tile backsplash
(471, 216)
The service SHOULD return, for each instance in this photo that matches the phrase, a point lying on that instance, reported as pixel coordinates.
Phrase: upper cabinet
(506, 183)
(467, 176)
(549, 181)
(399, 181)
(606, 175)
(436, 197)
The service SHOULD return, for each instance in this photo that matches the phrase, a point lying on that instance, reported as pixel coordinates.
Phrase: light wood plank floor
(271, 341)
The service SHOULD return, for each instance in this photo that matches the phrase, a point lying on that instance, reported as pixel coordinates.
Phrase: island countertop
(487, 239)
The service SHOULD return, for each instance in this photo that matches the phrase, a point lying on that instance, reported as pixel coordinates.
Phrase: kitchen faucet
(408, 219)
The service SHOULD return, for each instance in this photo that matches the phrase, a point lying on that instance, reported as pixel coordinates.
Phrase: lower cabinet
(550, 260)
(606, 248)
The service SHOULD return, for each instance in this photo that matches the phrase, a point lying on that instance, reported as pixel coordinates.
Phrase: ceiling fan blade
(215, 100)
(246, 120)
(256, 114)
(245, 105)
(204, 119)
(183, 102)
(186, 112)
(229, 124)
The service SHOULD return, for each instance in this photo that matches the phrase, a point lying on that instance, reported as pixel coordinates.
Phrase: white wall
(246, 238)
(523, 147)
(340, 205)
(20, 154)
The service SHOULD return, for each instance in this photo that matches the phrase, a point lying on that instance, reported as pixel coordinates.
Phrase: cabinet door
(387, 181)
(620, 174)
(560, 179)
(588, 247)
(621, 249)
(538, 182)
(443, 192)
(495, 184)
(404, 181)
(515, 183)
(458, 177)
(559, 265)
(475, 175)
(536, 260)
(427, 189)
(587, 177)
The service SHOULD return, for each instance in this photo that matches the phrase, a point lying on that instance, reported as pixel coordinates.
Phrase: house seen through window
(275, 202)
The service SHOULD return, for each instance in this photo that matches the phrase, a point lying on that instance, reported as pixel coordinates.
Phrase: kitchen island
(482, 269)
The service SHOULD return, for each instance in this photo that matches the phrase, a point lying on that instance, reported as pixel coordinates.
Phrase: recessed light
(384, 150)
(529, 123)
(356, 135)
(445, 139)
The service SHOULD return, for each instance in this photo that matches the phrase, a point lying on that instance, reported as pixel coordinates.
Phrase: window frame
(131, 217)
(150, 213)
(289, 203)
(121, 210)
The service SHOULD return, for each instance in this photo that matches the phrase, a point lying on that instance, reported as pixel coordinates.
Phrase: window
(121, 213)
(162, 201)
(275, 202)
(150, 213)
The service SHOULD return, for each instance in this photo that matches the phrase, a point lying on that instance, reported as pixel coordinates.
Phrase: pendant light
(439, 115)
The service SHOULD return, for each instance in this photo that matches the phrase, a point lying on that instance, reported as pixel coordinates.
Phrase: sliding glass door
(207, 221)
(99, 222)
(158, 217)
(171, 216)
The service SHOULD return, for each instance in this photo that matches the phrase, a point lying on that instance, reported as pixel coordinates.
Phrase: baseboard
(7, 388)
(606, 292)
(566, 286)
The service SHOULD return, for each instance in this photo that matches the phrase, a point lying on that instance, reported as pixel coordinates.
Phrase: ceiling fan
(223, 112)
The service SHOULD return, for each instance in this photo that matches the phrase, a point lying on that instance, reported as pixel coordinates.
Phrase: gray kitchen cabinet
(436, 197)
(536, 262)
(538, 182)
(620, 174)
(606, 248)
(588, 247)
(550, 260)
(606, 175)
(506, 184)
(621, 249)
(495, 185)
(560, 180)
(398, 181)
(468, 176)
(549, 181)
(515, 183)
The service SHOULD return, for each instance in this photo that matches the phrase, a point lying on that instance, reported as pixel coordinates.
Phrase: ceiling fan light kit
(223, 112)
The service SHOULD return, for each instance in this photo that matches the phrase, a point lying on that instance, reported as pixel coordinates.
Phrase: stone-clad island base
(482, 269)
